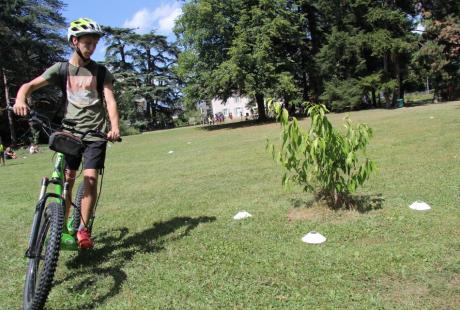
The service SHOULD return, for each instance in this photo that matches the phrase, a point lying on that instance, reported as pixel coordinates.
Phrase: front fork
(40, 210)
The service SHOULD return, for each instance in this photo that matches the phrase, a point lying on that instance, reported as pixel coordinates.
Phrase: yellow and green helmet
(83, 26)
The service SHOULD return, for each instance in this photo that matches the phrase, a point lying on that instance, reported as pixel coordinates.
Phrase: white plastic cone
(313, 237)
(420, 206)
(242, 215)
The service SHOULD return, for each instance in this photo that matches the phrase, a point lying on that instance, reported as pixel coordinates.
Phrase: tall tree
(440, 51)
(205, 32)
(237, 46)
(153, 57)
(366, 50)
(31, 41)
(117, 42)
(144, 66)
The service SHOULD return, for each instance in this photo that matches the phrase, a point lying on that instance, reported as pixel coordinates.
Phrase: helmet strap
(81, 55)
(78, 51)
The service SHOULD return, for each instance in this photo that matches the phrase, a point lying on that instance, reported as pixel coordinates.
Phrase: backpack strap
(62, 78)
(63, 73)
(100, 78)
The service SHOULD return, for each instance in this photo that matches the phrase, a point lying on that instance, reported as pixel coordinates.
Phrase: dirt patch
(320, 212)
(405, 293)
(303, 214)
(455, 282)
(412, 294)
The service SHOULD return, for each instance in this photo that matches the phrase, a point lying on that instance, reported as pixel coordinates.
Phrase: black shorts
(93, 156)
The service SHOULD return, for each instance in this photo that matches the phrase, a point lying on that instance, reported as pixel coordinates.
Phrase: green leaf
(285, 116)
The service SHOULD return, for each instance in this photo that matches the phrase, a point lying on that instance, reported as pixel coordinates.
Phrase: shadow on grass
(118, 248)
(303, 203)
(9, 164)
(366, 203)
(360, 203)
(417, 103)
(236, 125)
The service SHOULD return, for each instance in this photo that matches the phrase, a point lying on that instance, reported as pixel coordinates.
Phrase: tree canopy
(30, 32)
(147, 87)
(347, 54)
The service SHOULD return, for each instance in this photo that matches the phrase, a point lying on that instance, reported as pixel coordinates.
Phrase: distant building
(235, 106)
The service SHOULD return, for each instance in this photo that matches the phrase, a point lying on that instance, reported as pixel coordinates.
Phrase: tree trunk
(313, 27)
(386, 93)
(10, 113)
(261, 106)
(148, 110)
(305, 87)
(400, 93)
(374, 101)
(121, 49)
(315, 83)
(154, 116)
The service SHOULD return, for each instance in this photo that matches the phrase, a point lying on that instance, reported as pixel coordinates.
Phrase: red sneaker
(84, 239)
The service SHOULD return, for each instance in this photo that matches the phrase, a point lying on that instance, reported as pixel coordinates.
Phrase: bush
(127, 130)
(323, 160)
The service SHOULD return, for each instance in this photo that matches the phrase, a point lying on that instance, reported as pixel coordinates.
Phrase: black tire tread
(77, 207)
(56, 218)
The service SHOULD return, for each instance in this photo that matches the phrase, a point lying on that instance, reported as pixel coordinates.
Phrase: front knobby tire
(76, 215)
(40, 273)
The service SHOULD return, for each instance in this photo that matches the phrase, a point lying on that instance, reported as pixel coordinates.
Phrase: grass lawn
(165, 237)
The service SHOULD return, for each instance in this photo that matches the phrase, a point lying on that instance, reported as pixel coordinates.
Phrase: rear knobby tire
(77, 207)
(40, 273)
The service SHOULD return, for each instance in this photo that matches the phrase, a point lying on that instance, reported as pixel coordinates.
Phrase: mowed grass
(165, 237)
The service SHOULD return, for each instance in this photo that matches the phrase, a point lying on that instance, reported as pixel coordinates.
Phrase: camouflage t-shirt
(84, 106)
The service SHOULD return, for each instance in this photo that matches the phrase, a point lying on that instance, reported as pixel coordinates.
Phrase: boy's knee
(90, 180)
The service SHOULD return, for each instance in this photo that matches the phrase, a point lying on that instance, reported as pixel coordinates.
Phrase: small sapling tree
(324, 161)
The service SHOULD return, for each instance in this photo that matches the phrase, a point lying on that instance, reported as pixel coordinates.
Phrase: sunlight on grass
(165, 237)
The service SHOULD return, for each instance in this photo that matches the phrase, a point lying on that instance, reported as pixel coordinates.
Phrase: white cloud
(167, 23)
(141, 20)
(161, 19)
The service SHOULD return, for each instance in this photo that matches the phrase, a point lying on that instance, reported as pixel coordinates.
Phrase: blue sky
(146, 15)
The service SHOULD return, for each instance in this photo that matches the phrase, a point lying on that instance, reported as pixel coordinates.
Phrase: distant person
(2, 153)
(10, 154)
(34, 134)
(33, 148)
